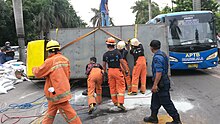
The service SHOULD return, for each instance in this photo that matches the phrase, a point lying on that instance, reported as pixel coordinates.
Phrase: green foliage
(166, 9)
(187, 5)
(217, 21)
(183, 5)
(39, 17)
(142, 13)
(7, 25)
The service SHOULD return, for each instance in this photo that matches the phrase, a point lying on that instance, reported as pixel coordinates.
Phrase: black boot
(152, 119)
(85, 92)
(176, 120)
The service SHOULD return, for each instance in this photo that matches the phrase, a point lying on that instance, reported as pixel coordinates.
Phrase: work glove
(126, 73)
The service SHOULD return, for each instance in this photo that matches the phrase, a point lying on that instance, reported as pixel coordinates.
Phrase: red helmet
(111, 41)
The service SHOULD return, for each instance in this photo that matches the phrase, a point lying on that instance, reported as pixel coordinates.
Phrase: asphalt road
(196, 95)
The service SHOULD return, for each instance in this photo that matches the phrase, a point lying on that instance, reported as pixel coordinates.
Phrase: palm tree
(142, 12)
(18, 14)
(96, 19)
(57, 14)
(45, 19)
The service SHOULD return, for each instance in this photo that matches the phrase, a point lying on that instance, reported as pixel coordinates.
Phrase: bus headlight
(172, 59)
(212, 56)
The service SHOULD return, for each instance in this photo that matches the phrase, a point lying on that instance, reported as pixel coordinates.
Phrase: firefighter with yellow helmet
(115, 77)
(56, 69)
(121, 47)
(140, 67)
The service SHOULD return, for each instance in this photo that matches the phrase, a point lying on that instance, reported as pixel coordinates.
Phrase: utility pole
(196, 5)
(18, 15)
(172, 5)
(149, 9)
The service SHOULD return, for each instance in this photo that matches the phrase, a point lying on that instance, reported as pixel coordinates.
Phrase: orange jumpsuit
(139, 70)
(117, 85)
(115, 77)
(56, 69)
(94, 82)
(127, 77)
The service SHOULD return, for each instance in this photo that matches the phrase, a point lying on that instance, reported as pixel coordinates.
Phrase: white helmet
(135, 42)
(121, 45)
(7, 42)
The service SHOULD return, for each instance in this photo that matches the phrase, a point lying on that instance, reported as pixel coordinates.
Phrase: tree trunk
(18, 14)
(149, 9)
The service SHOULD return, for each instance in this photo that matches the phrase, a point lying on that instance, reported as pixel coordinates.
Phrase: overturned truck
(79, 44)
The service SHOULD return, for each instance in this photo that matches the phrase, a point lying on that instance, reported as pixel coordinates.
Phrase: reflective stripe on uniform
(129, 86)
(58, 97)
(66, 118)
(120, 94)
(113, 94)
(58, 66)
(98, 94)
(50, 116)
(90, 96)
(134, 85)
(143, 85)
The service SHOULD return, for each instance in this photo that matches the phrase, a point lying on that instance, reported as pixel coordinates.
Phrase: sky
(119, 10)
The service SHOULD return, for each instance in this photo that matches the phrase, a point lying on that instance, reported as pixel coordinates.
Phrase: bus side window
(158, 20)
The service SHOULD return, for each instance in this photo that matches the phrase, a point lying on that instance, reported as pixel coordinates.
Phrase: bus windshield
(190, 29)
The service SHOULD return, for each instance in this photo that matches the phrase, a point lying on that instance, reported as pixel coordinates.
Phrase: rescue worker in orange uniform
(115, 77)
(56, 70)
(140, 67)
(94, 83)
(121, 47)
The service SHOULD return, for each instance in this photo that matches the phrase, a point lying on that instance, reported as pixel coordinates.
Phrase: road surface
(196, 95)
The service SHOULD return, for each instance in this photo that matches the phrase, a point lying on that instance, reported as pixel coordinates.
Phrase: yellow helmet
(52, 44)
(135, 42)
(111, 41)
(121, 45)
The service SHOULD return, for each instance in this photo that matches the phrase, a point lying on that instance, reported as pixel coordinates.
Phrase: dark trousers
(162, 98)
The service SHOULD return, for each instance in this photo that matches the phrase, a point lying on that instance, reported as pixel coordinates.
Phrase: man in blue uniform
(104, 12)
(2, 56)
(161, 86)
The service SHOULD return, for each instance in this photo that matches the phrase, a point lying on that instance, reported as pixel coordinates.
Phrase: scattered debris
(11, 74)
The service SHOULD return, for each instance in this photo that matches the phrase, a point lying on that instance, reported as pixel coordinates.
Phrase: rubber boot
(129, 93)
(176, 120)
(142, 92)
(85, 92)
(134, 93)
(121, 106)
(152, 119)
(91, 108)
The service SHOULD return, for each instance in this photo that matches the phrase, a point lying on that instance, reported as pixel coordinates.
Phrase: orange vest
(56, 69)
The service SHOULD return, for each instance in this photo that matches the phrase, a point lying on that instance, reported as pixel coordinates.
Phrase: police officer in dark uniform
(161, 86)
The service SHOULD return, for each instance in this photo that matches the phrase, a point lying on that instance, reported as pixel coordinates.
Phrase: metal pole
(149, 9)
(196, 5)
(18, 14)
(172, 5)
